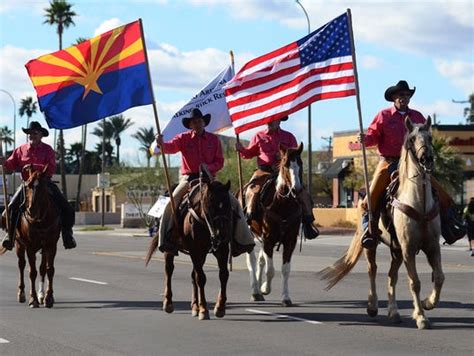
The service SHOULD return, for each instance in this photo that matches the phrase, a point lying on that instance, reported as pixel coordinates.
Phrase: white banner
(210, 100)
(159, 207)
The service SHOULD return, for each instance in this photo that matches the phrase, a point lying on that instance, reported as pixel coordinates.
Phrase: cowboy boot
(7, 242)
(452, 226)
(68, 239)
(310, 231)
(370, 236)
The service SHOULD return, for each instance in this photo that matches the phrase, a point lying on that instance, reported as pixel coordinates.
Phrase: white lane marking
(283, 316)
(87, 280)
(4, 341)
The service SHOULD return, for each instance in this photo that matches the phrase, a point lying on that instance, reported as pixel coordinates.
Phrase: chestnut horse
(207, 227)
(280, 225)
(38, 229)
(417, 227)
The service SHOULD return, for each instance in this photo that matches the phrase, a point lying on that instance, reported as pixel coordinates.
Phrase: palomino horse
(38, 229)
(206, 228)
(416, 223)
(280, 225)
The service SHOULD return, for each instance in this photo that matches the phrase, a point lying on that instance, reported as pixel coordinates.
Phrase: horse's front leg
(194, 296)
(418, 314)
(168, 295)
(254, 284)
(373, 302)
(269, 269)
(20, 252)
(222, 255)
(288, 249)
(42, 271)
(51, 254)
(392, 306)
(198, 263)
(34, 303)
(434, 259)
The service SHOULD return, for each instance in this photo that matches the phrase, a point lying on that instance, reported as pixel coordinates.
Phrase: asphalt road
(122, 313)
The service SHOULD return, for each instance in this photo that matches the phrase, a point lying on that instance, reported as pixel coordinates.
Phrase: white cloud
(370, 62)
(446, 112)
(460, 73)
(107, 26)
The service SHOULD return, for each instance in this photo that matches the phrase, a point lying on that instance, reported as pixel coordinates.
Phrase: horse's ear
(300, 148)
(409, 124)
(428, 123)
(227, 185)
(283, 149)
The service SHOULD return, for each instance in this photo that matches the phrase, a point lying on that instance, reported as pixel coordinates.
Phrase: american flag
(316, 67)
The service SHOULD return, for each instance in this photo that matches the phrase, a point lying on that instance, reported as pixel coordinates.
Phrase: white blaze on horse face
(295, 176)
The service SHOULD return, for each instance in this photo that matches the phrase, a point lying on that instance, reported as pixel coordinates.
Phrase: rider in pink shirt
(265, 145)
(38, 155)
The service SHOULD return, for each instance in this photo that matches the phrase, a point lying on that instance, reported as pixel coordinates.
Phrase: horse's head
(216, 209)
(291, 170)
(35, 188)
(418, 141)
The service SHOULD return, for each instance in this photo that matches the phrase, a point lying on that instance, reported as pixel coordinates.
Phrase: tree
(469, 112)
(59, 14)
(448, 165)
(146, 137)
(27, 107)
(6, 137)
(119, 124)
(73, 157)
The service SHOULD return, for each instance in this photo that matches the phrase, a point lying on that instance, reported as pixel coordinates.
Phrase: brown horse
(417, 227)
(38, 229)
(207, 227)
(280, 225)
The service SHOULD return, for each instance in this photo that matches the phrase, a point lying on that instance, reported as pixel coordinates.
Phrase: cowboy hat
(284, 118)
(402, 85)
(196, 114)
(36, 126)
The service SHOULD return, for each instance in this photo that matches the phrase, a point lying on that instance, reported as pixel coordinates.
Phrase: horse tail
(3, 250)
(151, 249)
(344, 264)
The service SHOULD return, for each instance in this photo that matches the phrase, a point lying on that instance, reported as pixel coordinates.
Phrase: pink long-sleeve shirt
(38, 157)
(265, 145)
(387, 130)
(195, 150)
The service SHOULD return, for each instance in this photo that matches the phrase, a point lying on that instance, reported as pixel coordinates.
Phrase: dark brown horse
(38, 229)
(280, 225)
(206, 228)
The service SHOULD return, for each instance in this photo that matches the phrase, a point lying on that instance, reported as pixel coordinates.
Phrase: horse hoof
(49, 302)
(41, 300)
(34, 304)
(266, 289)
(168, 308)
(258, 297)
(219, 312)
(286, 303)
(423, 324)
(204, 315)
(395, 318)
(194, 313)
(427, 305)
(372, 312)
(21, 298)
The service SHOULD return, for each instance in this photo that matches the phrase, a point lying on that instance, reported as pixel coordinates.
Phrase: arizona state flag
(100, 77)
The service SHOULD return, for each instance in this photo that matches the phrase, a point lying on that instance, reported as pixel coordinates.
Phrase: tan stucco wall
(329, 216)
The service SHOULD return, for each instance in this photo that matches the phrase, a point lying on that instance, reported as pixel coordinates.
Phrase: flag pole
(157, 123)
(361, 126)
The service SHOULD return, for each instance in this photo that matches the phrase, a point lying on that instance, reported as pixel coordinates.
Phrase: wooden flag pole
(361, 126)
(5, 200)
(157, 122)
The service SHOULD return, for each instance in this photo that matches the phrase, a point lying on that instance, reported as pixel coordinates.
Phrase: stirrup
(368, 241)
(7, 243)
(310, 231)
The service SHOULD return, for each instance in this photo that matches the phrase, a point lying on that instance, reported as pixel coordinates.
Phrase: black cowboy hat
(36, 126)
(402, 85)
(196, 114)
(284, 118)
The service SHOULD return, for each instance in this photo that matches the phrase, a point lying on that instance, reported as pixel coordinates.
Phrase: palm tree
(6, 136)
(99, 131)
(73, 157)
(146, 137)
(27, 107)
(59, 14)
(119, 124)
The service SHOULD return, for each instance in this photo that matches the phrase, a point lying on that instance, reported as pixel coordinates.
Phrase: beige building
(347, 157)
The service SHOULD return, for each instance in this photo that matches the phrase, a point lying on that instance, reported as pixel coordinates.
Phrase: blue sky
(428, 43)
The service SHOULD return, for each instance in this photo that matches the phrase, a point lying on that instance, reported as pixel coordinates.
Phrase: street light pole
(310, 149)
(14, 128)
